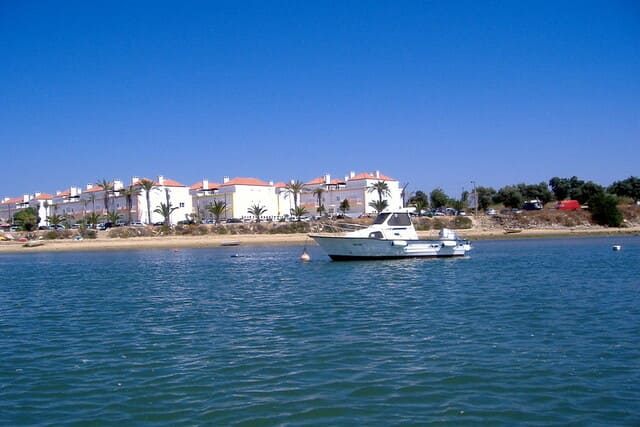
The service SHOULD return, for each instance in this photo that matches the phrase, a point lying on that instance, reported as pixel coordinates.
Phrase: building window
(182, 204)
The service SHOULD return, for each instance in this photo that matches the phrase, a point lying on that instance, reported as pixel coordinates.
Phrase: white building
(75, 203)
(357, 189)
(239, 195)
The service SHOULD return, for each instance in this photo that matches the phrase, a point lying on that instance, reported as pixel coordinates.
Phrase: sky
(435, 94)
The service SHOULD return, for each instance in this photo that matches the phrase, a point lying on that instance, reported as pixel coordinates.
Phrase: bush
(604, 210)
(51, 235)
(220, 229)
(462, 222)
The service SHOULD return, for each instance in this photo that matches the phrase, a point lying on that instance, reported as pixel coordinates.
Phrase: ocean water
(521, 332)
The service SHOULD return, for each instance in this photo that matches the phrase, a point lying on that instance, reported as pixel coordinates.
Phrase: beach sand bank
(104, 243)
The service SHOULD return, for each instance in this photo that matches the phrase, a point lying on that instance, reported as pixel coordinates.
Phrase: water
(536, 332)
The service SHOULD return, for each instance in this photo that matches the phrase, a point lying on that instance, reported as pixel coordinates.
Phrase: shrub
(604, 210)
(462, 222)
(51, 235)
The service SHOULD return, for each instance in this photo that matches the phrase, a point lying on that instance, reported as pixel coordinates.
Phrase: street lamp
(475, 196)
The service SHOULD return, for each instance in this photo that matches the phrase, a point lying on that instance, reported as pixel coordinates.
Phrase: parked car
(104, 225)
(491, 212)
(136, 224)
(234, 221)
(532, 205)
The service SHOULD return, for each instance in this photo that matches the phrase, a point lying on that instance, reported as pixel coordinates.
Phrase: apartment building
(133, 203)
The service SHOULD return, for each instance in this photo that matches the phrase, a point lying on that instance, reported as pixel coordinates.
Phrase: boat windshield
(397, 219)
(381, 218)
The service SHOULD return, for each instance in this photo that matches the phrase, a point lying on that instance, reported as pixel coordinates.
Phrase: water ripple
(538, 332)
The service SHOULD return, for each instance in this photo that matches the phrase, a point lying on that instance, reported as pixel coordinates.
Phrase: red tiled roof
(337, 181)
(316, 181)
(44, 196)
(167, 182)
(64, 193)
(12, 201)
(245, 181)
(93, 189)
(280, 185)
(171, 183)
(366, 175)
(198, 186)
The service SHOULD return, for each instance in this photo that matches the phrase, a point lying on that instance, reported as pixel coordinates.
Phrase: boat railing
(339, 227)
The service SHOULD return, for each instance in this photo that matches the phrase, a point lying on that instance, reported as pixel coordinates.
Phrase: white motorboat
(391, 235)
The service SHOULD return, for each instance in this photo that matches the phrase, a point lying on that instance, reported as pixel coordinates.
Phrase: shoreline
(103, 243)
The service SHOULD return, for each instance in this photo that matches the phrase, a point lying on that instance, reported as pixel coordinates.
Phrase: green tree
(344, 206)
(380, 187)
(257, 211)
(129, 194)
(299, 212)
(629, 187)
(318, 193)
(92, 219)
(379, 205)
(439, 198)
(565, 188)
(107, 187)
(420, 197)
(295, 188)
(27, 219)
(166, 209)
(536, 192)
(587, 191)
(604, 210)
(55, 220)
(217, 208)
(485, 197)
(509, 196)
(420, 206)
(113, 217)
(147, 185)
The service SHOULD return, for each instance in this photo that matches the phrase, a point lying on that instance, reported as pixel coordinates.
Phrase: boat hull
(355, 248)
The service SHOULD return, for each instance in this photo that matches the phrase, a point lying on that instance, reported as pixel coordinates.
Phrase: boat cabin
(391, 226)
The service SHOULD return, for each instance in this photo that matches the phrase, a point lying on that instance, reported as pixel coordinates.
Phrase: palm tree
(147, 185)
(382, 188)
(257, 211)
(113, 217)
(379, 205)
(55, 220)
(344, 206)
(165, 210)
(107, 187)
(420, 205)
(295, 188)
(92, 219)
(299, 212)
(318, 193)
(129, 194)
(217, 209)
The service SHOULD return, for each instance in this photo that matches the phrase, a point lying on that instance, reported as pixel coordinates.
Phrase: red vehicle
(568, 205)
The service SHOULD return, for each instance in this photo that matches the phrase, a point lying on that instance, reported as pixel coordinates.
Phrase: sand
(104, 243)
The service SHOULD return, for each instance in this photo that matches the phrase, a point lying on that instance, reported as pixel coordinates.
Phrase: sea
(534, 332)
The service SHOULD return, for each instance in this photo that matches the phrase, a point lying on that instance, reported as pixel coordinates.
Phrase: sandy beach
(212, 240)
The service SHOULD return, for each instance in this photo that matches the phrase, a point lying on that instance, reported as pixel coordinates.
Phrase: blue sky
(432, 93)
